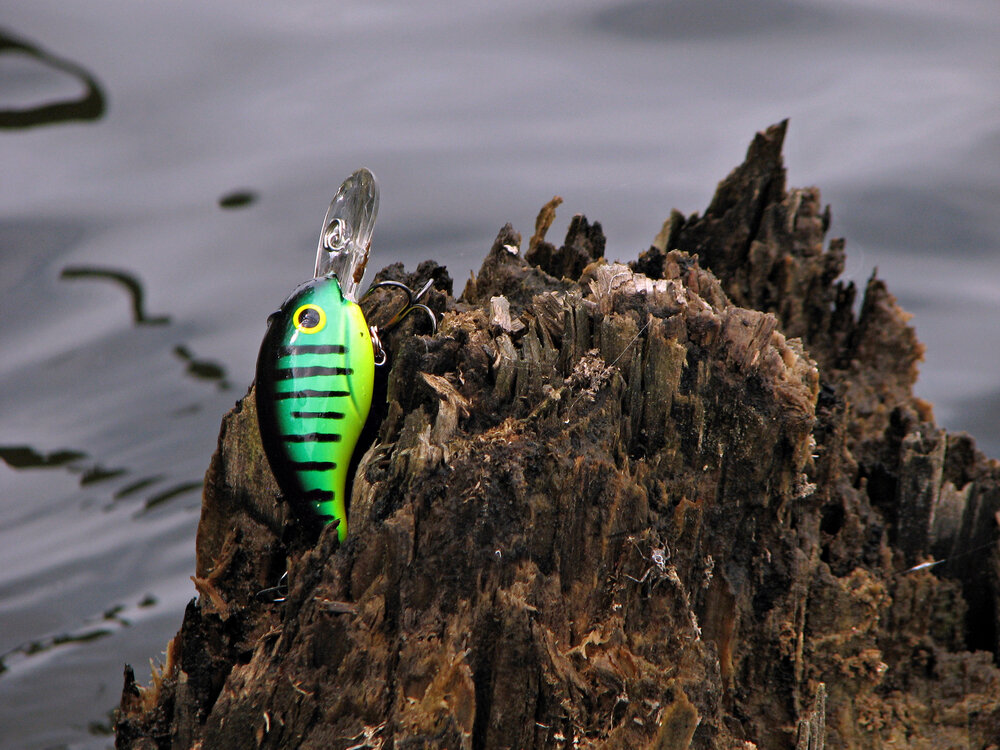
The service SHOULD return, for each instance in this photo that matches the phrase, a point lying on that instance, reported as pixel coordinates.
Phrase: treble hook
(275, 594)
(412, 303)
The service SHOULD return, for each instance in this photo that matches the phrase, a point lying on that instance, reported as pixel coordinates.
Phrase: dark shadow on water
(132, 488)
(202, 369)
(170, 493)
(90, 106)
(105, 726)
(26, 457)
(124, 279)
(98, 473)
(110, 621)
(40, 647)
(238, 199)
(147, 601)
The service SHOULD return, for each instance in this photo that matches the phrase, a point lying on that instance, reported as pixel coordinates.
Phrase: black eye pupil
(309, 318)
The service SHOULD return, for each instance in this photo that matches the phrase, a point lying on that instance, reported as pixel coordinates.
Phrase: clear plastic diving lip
(346, 236)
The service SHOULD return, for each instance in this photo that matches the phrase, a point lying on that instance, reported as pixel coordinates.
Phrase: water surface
(199, 179)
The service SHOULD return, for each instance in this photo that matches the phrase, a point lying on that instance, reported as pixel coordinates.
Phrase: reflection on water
(202, 369)
(127, 281)
(99, 474)
(133, 487)
(26, 457)
(90, 106)
(110, 620)
(170, 493)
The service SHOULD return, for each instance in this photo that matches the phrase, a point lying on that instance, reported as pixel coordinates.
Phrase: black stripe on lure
(317, 363)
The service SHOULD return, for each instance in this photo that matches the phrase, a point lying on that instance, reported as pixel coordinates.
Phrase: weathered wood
(652, 506)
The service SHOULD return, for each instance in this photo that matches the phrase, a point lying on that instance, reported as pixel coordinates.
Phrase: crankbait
(316, 367)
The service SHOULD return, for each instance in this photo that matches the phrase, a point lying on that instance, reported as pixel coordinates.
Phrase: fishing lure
(316, 367)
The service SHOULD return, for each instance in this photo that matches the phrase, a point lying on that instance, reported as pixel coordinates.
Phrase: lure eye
(309, 318)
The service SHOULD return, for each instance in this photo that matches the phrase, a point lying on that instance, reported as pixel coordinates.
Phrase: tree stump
(668, 504)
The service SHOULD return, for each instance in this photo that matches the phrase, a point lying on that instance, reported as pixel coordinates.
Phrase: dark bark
(668, 506)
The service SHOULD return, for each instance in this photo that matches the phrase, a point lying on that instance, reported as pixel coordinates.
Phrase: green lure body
(316, 367)
(315, 376)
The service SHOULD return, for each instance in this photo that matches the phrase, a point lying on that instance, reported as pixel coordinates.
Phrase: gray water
(470, 118)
